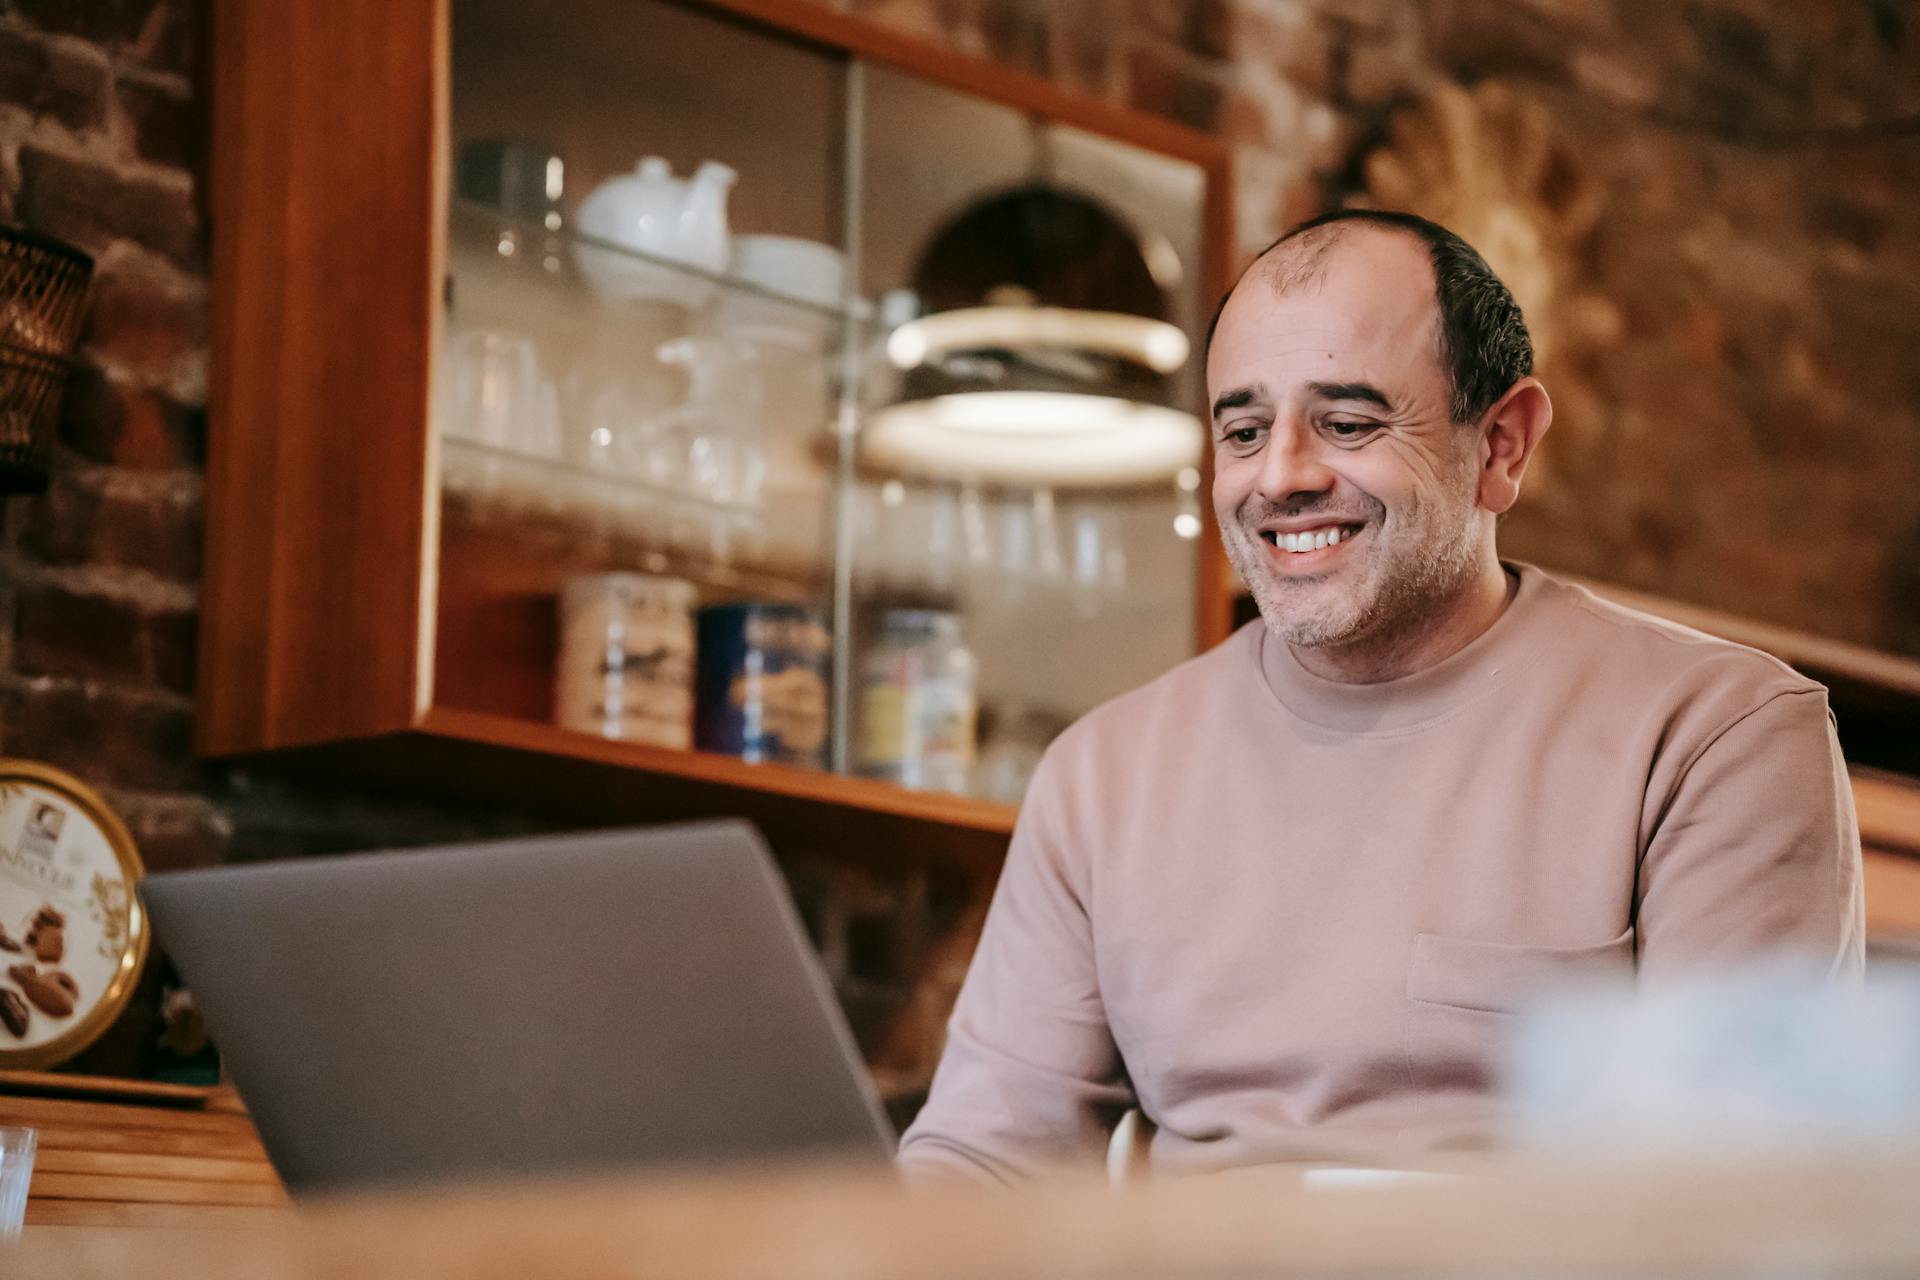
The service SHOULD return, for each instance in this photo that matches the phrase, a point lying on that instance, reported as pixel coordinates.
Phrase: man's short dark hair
(1483, 339)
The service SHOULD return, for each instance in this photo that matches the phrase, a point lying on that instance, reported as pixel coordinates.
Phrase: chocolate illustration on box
(72, 933)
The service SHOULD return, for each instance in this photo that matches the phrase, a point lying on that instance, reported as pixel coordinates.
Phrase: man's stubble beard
(1412, 572)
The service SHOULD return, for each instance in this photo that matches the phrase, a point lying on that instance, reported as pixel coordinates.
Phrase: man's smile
(1298, 547)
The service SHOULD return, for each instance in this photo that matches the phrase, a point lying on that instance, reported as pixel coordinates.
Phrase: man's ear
(1514, 427)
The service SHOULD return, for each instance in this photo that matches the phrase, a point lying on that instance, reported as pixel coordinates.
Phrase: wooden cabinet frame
(319, 605)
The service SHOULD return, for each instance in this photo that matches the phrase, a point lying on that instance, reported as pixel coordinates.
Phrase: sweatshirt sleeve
(1758, 850)
(1030, 1078)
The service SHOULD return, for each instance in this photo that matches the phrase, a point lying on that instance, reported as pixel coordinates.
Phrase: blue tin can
(761, 686)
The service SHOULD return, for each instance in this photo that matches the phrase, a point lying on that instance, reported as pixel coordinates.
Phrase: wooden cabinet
(374, 608)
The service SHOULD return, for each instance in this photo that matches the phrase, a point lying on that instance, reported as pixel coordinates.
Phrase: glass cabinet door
(687, 256)
(635, 388)
(1070, 578)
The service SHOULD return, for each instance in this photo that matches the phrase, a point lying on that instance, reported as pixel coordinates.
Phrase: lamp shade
(1045, 360)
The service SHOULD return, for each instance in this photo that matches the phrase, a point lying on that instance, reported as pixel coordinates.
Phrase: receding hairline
(1301, 260)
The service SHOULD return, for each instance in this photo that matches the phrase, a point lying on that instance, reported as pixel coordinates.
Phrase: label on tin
(65, 916)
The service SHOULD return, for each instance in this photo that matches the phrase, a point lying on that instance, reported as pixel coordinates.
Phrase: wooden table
(1836, 1216)
(131, 1153)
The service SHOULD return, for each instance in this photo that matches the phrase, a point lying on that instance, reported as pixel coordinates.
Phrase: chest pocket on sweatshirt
(1460, 993)
(1502, 977)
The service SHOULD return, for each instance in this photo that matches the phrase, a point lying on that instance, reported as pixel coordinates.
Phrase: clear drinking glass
(498, 393)
(16, 1171)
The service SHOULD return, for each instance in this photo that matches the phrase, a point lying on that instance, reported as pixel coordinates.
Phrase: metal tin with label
(625, 667)
(73, 935)
(761, 693)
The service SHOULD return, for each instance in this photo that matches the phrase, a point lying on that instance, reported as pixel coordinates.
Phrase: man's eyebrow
(1363, 391)
(1239, 398)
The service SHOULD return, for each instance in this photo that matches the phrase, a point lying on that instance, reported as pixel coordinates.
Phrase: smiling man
(1285, 898)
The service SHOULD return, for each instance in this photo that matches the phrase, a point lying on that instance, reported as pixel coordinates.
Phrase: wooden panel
(1021, 90)
(128, 1189)
(328, 120)
(133, 1164)
(1889, 811)
(576, 779)
(63, 1214)
(117, 1115)
(238, 1144)
(1828, 659)
(66, 1085)
(1893, 897)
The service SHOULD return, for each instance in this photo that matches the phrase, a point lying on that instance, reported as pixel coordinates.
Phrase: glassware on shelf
(761, 692)
(506, 241)
(714, 438)
(607, 423)
(942, 540)
(973, 530)
(917, 702)
(495, 390)
(1048, 565)
(625, 665)
(1099, 559)
(524, 182)
(1016, 552)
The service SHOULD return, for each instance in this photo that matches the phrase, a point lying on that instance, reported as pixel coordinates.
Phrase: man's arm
(1030, 1079)
(1758, 850)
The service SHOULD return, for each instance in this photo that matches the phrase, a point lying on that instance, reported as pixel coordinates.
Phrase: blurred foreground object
(1772, 1056)
(1829, 1218)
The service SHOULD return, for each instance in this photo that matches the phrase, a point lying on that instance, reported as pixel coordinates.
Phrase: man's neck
(1420, 642)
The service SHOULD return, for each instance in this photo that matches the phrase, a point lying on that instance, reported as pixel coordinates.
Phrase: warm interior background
(1707, 208)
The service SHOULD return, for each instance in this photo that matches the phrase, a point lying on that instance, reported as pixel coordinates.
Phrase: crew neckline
(1424, 697)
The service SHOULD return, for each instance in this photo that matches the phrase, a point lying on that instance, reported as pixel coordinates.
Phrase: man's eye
(1244, 437)
(1350, 430)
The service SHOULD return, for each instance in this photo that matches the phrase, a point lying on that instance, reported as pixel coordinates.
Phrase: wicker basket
(30, 386)
(43, 290)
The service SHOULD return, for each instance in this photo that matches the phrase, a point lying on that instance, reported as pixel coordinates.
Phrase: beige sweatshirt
(1288, 918)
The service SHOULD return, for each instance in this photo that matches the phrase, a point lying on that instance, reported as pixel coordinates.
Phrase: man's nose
(1293, 465)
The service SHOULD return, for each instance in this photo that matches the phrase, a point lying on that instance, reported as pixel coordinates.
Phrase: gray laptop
(559, 1004)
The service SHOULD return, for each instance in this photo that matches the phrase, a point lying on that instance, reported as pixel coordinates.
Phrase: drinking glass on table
(16, 1170)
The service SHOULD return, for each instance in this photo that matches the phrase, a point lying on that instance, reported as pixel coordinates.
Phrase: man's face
(1347, 498)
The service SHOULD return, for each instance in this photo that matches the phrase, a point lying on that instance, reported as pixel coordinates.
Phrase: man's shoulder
(1631, 652)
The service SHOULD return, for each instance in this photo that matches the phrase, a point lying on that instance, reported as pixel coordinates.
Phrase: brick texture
(95, 203)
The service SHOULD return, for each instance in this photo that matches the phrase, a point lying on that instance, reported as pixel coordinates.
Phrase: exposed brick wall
(1739, 413)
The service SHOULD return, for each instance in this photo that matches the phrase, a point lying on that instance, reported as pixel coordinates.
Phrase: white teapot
(650, 210)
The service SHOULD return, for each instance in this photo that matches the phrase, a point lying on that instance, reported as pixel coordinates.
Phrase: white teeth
(1301, 542)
